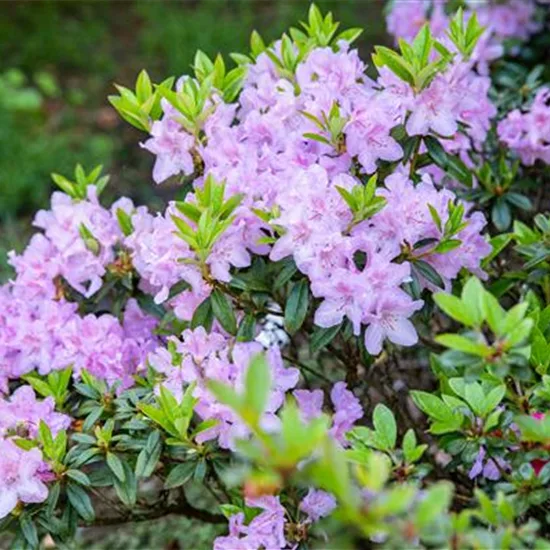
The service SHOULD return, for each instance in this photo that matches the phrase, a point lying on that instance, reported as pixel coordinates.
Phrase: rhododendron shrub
(337, 331)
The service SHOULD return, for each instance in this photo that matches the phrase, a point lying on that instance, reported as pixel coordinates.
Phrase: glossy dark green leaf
(179, 475)
(246, 330)
(296, 306)
(436, 151)
(81, 502)
(323, 336)
(203, 316)
(521, 201)
(429, 273)
(501, 215)
(223, 311)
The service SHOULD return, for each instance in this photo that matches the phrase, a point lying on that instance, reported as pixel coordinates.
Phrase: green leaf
(180, 475)
(115, 465)
(349, 35)
(422, 44)
(127, 490)
(257, 45)
(446, 420)
(81, 502)
(411, 451)
(446, 246)
(317, 137)
(203, 316)
(296, 306)
(461, 343)
(435, 502)
(321, 337)
(38, 385)
(394, 62)
(223, 311)
(64, 184)
(475, 397)
(149, 456)
(429, 273)
(454, 308)
(498, 243)
(492, 399)
(435, 217)
(246, 330)
(458, 170)
(520, 333)
(493, 313)
(79, 477)
(125, 222)
(28, 528)
(385, 426)
(501, 214)
(257, 384)
(472, 298)
(521, 201)
(226, 395)
(144, 88)
(432, 405)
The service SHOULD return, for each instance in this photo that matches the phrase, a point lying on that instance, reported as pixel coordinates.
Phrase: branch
(181, 508)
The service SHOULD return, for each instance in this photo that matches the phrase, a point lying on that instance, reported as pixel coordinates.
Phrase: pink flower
(391, 321)
(433, 109)
(172, 147)
(22, 411)
(346, 294)
(19, 477)
(347, 410)
(317, 504)
(266, 530)
(310, 403)
(199, 356)
(527, 133)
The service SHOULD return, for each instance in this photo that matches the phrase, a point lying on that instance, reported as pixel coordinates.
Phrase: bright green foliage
(142, 106)
(207, 219)
(78, 188)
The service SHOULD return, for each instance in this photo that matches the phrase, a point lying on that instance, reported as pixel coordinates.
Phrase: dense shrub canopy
(305, 332)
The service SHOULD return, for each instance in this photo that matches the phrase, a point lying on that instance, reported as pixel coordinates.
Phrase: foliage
(181, 361)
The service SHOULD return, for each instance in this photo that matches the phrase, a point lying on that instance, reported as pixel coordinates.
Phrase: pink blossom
(527, 133)
(317, 504)
(391, 321)
(347, 410)
(19, 477)
(172, 147)
(433, 109)
(23, 412)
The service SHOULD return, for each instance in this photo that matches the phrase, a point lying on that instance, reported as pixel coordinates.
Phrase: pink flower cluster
(62, 251)
(23, 473)
(199, 356)
(157, 253)
(527, 133)
(21, 477)
(21, 413)
(267, 529)
(258, 148)
(46, 334)
(347, 408)
(39, 329)
(508, 20)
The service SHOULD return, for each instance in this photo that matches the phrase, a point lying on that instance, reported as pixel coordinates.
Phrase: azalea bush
(337, 335)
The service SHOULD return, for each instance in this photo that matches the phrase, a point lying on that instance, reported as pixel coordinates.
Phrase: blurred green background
(59, 61)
